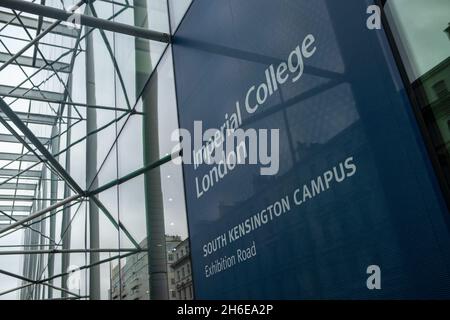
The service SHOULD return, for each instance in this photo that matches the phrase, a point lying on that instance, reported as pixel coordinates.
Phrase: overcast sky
(421, 24)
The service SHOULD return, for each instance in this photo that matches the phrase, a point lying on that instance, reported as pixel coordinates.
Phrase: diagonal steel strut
(51, 160)
(93, 22)
(39, 146)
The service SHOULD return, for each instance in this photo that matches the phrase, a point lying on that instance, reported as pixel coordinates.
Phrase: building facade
(181, 267)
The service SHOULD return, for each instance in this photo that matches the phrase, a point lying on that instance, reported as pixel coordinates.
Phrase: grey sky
(421, 24)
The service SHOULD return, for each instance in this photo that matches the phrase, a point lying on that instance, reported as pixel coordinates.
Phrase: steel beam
(15, 208)
(26, 261)
(38, 30)
(36, 118)
(36, 47)
(154, 210)
(18, 157)
(40, 147)
(18, 186)
(113, 58)
(85, 20)
(29, 178)
(24, 198)
(42, 225)
(120, 256)
(91, 164)
(67, 103)
(66, 228)
(10, 138)
(134, 174)
(16, 218)
(28, 62)
(34, 239)
(16, 198)
(32, 23)
(59, 251)
(53, 200)
(40, 213)
(24, 93)
(29, 45)
(13, 275)
(21, 173)
(50, 45)
(31, 282)
(12, 217)
(21, 245)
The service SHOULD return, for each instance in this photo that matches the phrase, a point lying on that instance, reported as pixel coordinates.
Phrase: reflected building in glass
(433, 93)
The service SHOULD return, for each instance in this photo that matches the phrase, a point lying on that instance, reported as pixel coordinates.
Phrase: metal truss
(36, 159)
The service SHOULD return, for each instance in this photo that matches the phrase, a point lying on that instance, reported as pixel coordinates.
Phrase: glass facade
(422, 38)
(93, 207)
(103, 104)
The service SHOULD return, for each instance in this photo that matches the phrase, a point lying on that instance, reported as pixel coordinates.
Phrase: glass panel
(122, 66)
(422, 34)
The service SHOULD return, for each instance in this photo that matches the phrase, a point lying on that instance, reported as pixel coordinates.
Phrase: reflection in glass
(422, 34)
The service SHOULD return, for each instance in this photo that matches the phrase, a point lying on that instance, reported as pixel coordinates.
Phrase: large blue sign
(353, 210)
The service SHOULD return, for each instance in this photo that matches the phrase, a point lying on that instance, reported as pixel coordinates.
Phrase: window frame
(412, 96)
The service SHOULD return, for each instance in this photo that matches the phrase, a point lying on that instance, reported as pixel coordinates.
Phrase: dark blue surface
(349, 102)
